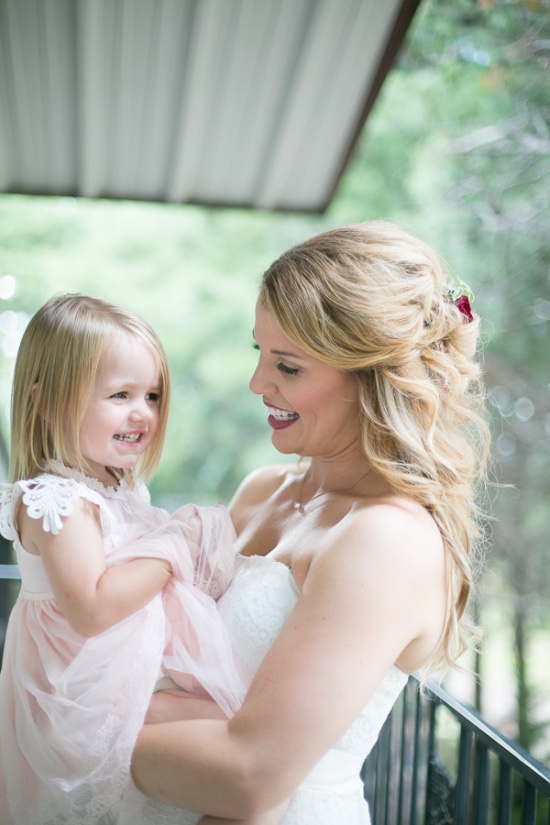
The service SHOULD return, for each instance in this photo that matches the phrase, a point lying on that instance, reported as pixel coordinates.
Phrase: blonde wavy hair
(370, 299)
(55, 370)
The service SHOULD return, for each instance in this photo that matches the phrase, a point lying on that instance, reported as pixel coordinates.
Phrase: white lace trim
(49, 498)
(59, 469)
(49, 501)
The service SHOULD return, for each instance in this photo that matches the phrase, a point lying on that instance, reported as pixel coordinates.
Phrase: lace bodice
(262, 595)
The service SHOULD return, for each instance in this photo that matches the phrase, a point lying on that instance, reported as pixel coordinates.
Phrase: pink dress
(71, 707)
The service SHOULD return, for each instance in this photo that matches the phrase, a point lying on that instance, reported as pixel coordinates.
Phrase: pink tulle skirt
(71, 707)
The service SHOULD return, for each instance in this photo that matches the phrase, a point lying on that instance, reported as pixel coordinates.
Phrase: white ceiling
(251, 103)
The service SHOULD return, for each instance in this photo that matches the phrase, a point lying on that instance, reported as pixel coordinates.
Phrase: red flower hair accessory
(461, 296)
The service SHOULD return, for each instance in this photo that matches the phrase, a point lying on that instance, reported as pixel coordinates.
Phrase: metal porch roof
(253, 103)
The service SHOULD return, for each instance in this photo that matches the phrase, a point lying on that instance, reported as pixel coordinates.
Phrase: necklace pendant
(298, 506)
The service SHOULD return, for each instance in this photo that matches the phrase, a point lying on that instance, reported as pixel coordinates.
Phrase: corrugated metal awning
(252, 103)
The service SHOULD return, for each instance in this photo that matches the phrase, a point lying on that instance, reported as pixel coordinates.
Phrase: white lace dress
(71, 707)
(254, 608)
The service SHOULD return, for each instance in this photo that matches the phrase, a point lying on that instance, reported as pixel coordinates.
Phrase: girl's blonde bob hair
(55, 371)
(370, 299)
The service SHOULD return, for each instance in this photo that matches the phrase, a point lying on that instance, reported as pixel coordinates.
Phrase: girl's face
(313, 407)
(122, 417)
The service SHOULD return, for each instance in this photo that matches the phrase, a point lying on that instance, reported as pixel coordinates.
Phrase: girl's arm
(92, 597)
(272, 817)
(178, 705)
(374, 595)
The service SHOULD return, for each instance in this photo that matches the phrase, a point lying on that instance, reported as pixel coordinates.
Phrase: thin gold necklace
(299, 507)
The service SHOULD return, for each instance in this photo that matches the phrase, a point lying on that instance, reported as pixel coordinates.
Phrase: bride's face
(313, 407)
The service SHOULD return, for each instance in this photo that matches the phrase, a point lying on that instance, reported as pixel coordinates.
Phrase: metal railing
(9, 571)
(9, 574)
(438, 762)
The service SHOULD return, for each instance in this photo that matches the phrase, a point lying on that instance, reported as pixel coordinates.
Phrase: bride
(354, 567)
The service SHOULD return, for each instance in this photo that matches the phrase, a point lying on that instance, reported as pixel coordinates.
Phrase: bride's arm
(177, 705)
(370, 594)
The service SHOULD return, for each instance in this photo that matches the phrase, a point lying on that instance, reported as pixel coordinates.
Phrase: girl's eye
(119, 395)
(287, 370)
(153, 396)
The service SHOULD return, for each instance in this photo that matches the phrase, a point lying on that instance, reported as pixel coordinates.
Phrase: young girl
(116, 594)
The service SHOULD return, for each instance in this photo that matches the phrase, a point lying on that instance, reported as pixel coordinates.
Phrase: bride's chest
(290, 541)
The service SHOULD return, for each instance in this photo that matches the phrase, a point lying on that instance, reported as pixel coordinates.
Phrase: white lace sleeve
(49, 498)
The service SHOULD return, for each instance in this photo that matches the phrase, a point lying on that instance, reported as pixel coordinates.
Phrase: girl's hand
(272, 817)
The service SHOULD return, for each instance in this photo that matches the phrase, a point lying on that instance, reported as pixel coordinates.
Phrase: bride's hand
(177, 705)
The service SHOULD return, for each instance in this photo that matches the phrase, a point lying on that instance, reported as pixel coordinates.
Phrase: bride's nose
(262, 383)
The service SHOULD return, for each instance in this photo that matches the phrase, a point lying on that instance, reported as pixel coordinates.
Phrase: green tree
(458, 149)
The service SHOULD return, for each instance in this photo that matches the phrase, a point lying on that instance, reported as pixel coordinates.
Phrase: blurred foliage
(193, 274)
(457, 149)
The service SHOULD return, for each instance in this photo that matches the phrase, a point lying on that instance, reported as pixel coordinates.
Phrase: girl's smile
(123, 416)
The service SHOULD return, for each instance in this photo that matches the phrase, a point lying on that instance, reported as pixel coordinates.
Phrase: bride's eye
(287, 370)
